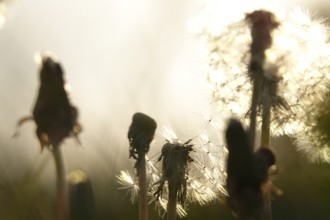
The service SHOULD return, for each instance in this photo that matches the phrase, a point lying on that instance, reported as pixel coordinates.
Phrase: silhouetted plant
(247, 174)
(295, 73)
(175, 158)
(56, 119)
(195, 169)
(276, 75)
(264, 86)
(140, 134)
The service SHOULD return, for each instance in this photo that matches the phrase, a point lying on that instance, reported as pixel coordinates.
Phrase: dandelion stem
(143, 203)
(171, 205)
(265, 126)
(62, 208)
(265, 142)
(254, 105)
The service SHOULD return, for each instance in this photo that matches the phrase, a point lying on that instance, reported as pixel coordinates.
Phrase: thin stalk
(254, 105)
(142, 176)
(265, 126)
(171, 205)
(62, 207)
(265, 142)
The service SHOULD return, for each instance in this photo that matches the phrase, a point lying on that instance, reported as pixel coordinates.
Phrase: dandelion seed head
(312, 148)
(128, 182)
(297, 60)
(314, 142)
(153, 175)
(169, 135)
(161, 204)
(202, 194)
(125, 178)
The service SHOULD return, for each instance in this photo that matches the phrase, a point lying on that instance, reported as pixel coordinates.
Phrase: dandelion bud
(140, 133)
(53, 113)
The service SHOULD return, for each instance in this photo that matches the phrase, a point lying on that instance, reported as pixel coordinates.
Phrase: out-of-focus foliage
(305, 187)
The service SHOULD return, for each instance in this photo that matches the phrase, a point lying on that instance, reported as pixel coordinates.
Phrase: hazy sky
(119, 57)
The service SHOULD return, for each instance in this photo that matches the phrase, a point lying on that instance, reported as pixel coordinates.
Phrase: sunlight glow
(76, 177)
(298, 58)
(3, 12)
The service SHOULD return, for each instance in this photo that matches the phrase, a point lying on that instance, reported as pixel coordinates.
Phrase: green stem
(143, 203)
(171, 205)
(62, 208)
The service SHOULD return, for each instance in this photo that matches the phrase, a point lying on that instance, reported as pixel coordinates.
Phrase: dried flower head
(140, 134)
(55, 117)
(175, 161)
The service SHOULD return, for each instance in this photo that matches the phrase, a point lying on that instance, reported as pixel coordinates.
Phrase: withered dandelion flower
(54, 115)
(56, 119)
(175, 157)
(140, 134)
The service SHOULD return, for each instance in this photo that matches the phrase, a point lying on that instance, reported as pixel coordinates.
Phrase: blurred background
(120, 57)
